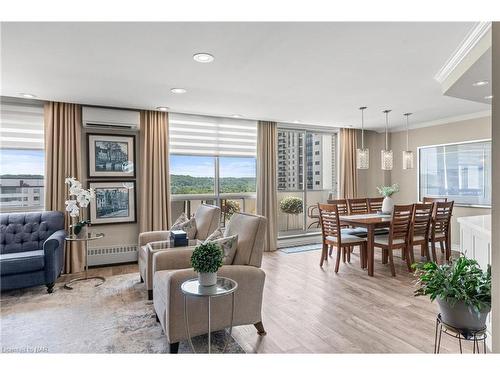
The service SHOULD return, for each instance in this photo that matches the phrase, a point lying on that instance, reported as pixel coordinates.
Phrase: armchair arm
(172, 259)
(158, 235)
(53, 248)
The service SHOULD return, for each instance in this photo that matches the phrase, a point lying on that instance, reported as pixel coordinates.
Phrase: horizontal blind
(214, 136)
(21, 126)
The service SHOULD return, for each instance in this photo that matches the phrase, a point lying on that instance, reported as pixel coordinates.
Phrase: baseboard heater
(112, 254)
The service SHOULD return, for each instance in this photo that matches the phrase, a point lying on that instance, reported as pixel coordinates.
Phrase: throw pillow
(215, 235)
(228, 245)
(190, 228)
(180, 220)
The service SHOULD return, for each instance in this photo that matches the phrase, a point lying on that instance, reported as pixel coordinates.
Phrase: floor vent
(112, 254)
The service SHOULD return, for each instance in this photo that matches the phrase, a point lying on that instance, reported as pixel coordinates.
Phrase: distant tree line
(183, 184)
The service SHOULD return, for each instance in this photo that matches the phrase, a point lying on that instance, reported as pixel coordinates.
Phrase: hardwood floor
(308, 309)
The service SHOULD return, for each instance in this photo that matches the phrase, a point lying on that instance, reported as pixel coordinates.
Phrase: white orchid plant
(79, 198)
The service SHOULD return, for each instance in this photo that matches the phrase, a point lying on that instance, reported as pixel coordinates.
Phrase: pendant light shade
(407, 154)
(386, 156)
(362, 154)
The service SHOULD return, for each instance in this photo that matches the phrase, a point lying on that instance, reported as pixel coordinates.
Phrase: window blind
(212, 136)
(21, 126)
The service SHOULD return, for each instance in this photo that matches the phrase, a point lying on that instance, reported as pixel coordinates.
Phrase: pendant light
(386, 154)
(407, 155)
(363, 154)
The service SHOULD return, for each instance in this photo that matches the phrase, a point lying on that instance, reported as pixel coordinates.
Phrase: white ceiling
(317, 73)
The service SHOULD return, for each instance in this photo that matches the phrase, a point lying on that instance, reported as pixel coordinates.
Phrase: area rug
(301, 249)
(113, 318)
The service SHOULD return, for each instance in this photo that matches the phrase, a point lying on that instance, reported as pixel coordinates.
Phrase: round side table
(461, 334)
(85, 240)
(192, 288)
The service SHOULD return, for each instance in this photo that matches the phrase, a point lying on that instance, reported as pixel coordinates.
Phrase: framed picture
(111, 155)
(114, 202)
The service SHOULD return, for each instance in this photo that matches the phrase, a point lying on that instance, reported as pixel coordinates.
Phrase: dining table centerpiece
(387, 192)
(78, 198)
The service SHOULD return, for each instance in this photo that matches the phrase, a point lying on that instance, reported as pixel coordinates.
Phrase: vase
(387, 205)
(207, 278)
(462, 316)
(83, 233)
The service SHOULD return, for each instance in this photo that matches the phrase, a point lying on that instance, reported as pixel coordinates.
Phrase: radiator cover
(112, 254)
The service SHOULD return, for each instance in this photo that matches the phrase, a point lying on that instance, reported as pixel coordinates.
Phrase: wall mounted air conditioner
(97, 117)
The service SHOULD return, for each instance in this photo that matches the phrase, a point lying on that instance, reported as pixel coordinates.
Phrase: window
(21, 157)
(461, 172)
(212, 160)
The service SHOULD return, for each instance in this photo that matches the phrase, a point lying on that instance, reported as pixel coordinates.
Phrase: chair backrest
(207, 218)
(421, 220)
(375, 204)
(251, 231)
(329, 220)
(27, 231)
(434, 199)
(357, 206)
(341, 206)
(401, 222)
(441, 217)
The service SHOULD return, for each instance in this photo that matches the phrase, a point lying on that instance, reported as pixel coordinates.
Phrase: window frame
(457, 204)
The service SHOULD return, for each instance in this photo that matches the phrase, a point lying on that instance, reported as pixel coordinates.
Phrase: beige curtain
(267, 200)
(348, 170)
(63, 125)
(154, 184)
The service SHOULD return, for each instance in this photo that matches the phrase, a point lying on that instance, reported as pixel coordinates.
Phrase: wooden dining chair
(398, 236)
(441, 228)
(420, 231)
(357, 206)
(341, 206)
(434, 199)
(333, 237)
(375, 204)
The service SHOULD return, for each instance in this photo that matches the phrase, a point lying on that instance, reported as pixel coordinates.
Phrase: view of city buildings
(21, 191)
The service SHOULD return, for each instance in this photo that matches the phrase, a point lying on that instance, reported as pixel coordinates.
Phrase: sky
(203, 166)
(21, 161)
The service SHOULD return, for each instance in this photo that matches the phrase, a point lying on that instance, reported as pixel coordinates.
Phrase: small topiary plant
(207, 258)
(292, 205)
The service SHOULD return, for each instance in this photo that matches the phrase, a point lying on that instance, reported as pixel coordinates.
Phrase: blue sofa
(31, 249)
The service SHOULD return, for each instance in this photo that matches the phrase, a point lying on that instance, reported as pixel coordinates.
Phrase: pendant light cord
(386, 130)
(362, 127)
(407, 115)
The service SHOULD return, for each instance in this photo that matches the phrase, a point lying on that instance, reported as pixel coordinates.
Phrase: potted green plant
(461, 288)
(206, 259)
(291, 206)
(387, 192)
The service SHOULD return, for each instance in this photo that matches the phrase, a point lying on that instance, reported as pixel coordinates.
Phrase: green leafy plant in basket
(461, 288)
(291, 206)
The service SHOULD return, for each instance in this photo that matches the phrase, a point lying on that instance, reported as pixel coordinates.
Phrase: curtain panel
(63, 126)
(154, 182)
(348, 170)
(267, 199)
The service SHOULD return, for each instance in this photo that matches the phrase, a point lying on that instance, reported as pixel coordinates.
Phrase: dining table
(371, 222)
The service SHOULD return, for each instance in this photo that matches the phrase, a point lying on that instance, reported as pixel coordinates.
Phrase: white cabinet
(475, 242)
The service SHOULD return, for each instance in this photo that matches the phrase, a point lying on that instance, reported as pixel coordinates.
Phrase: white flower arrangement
(79, 197)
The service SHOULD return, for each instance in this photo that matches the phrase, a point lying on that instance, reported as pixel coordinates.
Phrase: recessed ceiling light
(162, 109)
(203, 57)
(178, 91)
(480, 83)
(237, 116)
(27, 96)
(488, 97)
(296, 122)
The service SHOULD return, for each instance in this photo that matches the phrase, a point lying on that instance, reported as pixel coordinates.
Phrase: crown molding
(470, 41)
(443, 121)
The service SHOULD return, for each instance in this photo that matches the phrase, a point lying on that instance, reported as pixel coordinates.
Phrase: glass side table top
(89, 237)
(224, 286)
(167, 244)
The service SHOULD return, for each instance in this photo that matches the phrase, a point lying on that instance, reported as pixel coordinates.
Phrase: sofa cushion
(28, 231)
(26, 261)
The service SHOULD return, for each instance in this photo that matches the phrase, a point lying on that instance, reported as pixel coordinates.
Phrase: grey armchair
(172, 268)
(31, 249)
(207, 221)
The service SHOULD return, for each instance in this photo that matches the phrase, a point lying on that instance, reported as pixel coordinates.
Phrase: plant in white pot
(291, 206)
(387, 192)
(78, 198)
(461, 288)
(206, 259)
